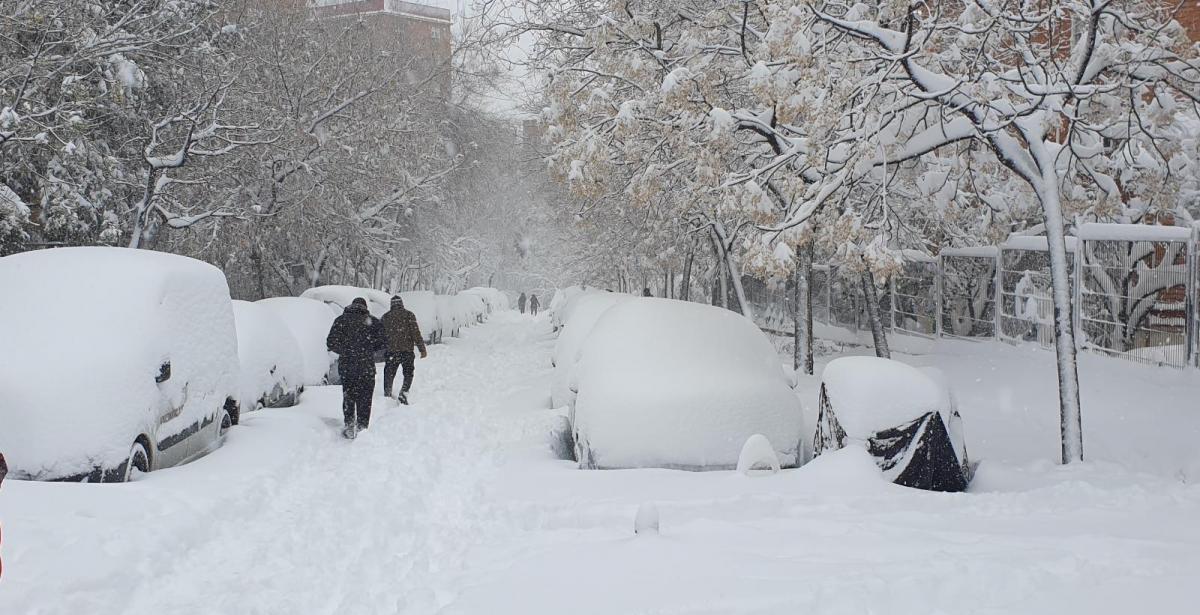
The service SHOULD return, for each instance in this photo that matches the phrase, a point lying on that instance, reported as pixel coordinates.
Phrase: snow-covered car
(496, 300)
(904, 416)
(378, 302)
(475, 306)
(309, 322)
(674, 384)
(271, 373)
(114, 361)
(449, 315)
(563, 301)
(423, 305)
(570, 340)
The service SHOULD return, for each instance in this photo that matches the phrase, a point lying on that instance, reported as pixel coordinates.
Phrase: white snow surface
(870, 394)
(1132, 232)
(591, 307)
(666, 383)
(268, 354)
(456, 505)
(309, 321)
(83, 332)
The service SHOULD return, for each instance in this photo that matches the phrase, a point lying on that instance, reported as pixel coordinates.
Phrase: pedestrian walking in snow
(356, 336)
(521, 303)
(403, 334)
(533, 305)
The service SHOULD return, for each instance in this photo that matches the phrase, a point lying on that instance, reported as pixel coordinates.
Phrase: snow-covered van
(113, 361)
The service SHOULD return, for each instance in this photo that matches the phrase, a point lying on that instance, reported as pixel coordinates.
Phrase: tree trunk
(873, 316)
(802, 316)
(685, 286)
(1070, 415)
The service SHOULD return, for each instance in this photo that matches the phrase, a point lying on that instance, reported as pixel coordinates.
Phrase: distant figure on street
(533, 304)
(403, 334)
(356, 336)
(646, 292)
(521, 303)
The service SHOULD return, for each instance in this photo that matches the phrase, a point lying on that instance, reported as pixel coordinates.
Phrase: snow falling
(434, 307)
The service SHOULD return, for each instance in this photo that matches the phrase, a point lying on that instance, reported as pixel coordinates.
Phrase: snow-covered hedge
(309, 321)
(102, 346)
(271, 364)
(902, 415)
(665, 383)
(571, 338)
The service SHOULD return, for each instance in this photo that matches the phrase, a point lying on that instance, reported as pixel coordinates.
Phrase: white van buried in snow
(114, 361)
(673, 384)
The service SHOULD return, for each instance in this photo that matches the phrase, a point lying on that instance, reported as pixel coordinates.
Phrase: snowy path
(456, 505)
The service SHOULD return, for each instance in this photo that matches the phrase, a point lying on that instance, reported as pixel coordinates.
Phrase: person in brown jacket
(403, 334)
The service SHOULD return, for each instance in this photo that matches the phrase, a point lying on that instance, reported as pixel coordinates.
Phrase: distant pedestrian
(521, 303)
(356, 336)
(533, 304)
(403, 334)
(646, 292)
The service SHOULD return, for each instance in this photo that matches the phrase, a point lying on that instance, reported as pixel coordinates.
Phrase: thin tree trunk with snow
(686, 284)
(875, 320)
(805, 290)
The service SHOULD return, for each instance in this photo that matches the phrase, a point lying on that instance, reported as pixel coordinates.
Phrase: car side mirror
(164, 372)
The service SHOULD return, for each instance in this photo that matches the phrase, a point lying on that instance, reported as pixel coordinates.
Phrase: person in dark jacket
(521, 303)
(533, 304)
(403, 334)
(356, 336)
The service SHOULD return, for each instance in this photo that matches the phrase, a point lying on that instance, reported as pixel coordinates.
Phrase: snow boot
(350, 432)
(403, 397)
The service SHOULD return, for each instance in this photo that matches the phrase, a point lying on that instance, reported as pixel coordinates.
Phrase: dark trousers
(358, 387)
(395, 360)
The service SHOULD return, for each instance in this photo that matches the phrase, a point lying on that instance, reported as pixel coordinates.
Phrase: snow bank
(85, 333)
(422, 304)
(571, 338)
(378, 302)
(271, 363)
(666, 383)
(309, 321)
(1096, 231)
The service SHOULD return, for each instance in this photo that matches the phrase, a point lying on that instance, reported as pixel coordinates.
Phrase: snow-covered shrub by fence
(667, 383)
(102, 347)
(903, 417)
(1026, 308)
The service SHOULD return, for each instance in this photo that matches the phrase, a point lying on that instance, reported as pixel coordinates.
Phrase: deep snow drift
(457, 505)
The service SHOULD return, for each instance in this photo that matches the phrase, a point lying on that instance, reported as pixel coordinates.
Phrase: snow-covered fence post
(998, 293)
(938, 294)
(1192, 301)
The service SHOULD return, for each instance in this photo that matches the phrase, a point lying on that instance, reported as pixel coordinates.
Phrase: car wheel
(226, 424)
(138, 462)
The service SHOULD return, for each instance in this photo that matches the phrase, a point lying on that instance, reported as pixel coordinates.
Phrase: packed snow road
(457, 504)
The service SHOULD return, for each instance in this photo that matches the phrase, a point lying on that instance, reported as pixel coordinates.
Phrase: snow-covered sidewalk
(457, 504)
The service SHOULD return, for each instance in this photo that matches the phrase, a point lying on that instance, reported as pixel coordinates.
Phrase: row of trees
(288, 150)
(780, 131)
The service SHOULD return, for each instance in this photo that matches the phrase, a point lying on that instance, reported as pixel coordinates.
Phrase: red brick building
(418, 31)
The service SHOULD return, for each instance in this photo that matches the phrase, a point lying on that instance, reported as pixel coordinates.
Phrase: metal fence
(1136, 294)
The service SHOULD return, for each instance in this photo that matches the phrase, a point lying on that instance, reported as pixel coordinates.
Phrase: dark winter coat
(521, 302)
(533, 302)
(400, 326)
(356, 335)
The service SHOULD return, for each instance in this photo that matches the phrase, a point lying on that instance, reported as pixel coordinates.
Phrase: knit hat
(397, 302)
(360, 303)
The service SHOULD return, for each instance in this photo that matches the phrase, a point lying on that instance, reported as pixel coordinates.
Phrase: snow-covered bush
(902, 415)
(271, 364)
(309, 322)
(378, 302)
(571, 338)
(665, 383)
(107, 349)
(422, 304)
